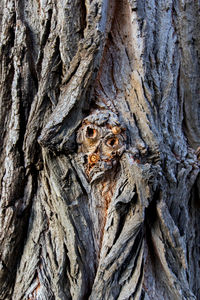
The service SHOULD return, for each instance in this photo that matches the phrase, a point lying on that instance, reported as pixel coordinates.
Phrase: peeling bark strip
(99, 139)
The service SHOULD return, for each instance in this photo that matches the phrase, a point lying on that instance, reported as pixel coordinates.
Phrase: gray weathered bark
(100, 119)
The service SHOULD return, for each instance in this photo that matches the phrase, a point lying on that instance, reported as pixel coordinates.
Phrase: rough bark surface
(100, 123)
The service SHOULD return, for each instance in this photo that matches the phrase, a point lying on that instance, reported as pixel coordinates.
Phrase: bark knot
(102, 140)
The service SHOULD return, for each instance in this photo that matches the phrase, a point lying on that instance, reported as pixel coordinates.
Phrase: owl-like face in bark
(101, 139)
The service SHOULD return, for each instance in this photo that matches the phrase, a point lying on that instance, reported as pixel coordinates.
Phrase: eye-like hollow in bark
(112, 142)
(91, 133)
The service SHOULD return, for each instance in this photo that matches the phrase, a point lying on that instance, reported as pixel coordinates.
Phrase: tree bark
(100, 129)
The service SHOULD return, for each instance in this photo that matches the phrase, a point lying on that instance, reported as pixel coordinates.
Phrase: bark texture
(100, 122)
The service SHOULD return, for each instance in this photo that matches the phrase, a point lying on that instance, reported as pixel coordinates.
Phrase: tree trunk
(100, 121)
